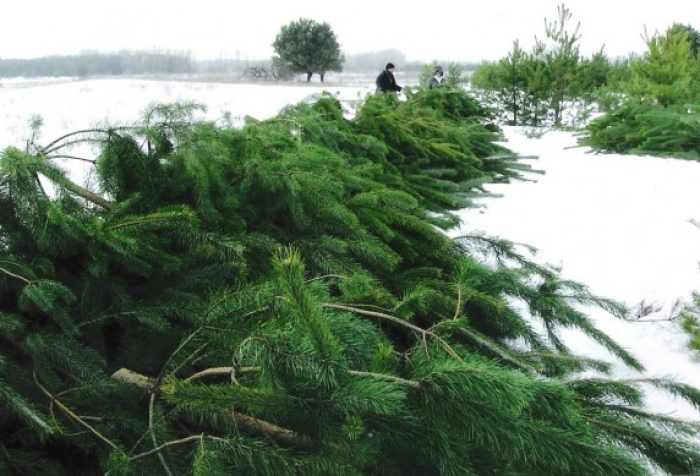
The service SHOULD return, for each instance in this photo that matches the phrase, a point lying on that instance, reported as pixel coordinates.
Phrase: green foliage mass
(553, 85)
(654, 109)
(690, 321)
(281, 299)
(692, 35)
(306, 46)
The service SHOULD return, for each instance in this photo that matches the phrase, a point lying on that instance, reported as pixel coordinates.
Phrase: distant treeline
(176, 62)
(99, 64)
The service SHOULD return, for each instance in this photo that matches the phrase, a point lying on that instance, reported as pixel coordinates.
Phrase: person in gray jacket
(437, 78)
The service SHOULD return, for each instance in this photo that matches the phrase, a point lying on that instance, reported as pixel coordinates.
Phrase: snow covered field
(620, 224)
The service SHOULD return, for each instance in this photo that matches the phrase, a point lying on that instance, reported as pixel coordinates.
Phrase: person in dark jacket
(385, 80)
(437, 78)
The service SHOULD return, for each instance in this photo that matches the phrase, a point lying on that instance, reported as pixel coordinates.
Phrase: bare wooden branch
(49, 147)
(379, 315)
(388, 378)
(130, 377)
(168, 444)
(73, 157)
(279, 435)
(494, 348)
(161, 456)
(220, 371)
(388, 317)
(17, 276)
(458, 307)
(358, 373)
(87, 195)
(72, 415)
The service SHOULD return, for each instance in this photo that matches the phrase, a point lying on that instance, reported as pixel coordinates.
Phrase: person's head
(390, 67)
(438, 71)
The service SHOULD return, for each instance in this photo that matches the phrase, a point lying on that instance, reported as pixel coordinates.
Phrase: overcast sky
(454, 30)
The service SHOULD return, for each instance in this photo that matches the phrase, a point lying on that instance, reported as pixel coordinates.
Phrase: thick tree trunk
(308, 77)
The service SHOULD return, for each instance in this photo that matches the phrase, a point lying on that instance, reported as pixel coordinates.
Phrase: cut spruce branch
(249, 424)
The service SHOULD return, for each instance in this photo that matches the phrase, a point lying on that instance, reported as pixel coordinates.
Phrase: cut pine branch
(248, 424)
